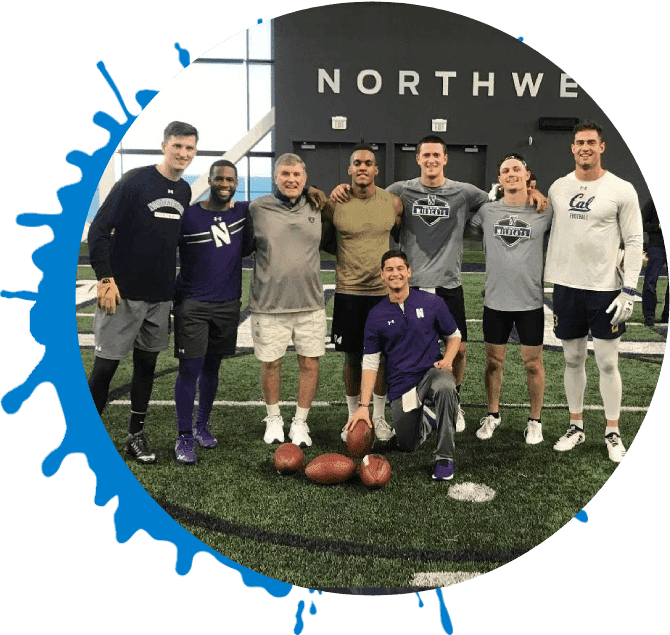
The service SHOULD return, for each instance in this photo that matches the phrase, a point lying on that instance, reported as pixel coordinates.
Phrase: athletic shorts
(456, 305)
(529, 326)
(205, 327)
(134, 324)
(272, 334)
(349, 315)
(576, 311)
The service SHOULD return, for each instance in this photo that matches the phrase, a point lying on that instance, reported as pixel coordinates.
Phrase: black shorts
(529, 326)
(349, 315)
(205, 327)
(456, 305)
(576, 311)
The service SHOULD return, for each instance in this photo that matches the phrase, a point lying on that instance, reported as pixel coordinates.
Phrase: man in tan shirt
(363, 227)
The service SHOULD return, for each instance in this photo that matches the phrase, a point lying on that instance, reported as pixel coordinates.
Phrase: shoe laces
(139, 442)
(380, 422)
(613, 439)
(572, 430)
(300, 425)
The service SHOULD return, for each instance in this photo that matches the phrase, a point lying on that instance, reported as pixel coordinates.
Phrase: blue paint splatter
(53, 324)
(582, 516)
(183, 55)
(260, 20)
(521, 39)
(420, 600)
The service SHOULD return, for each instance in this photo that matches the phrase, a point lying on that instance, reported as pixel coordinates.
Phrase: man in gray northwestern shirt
(286, 297)
(514, 239)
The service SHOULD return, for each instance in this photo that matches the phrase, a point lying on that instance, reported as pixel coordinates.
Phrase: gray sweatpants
(437, 390)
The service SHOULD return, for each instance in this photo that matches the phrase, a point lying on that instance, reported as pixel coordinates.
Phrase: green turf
(537, 489)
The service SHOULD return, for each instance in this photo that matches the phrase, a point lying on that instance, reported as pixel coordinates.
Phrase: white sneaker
(299, 432)
(383, 430)
(343, 434)
(488, 425)
(460, 419)
(615, 447)
(574, 436)
(274, 429)
(533, 432)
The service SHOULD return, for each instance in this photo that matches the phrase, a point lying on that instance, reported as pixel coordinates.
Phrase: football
(375, 470)
(360, 439)
(288, 458)
(330, 468)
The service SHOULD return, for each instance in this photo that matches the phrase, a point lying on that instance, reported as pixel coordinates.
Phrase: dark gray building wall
(390, 38)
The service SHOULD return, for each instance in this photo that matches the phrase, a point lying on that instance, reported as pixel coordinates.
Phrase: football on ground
(329, 469)
(360, 439)
(289, 458)
(375, 470)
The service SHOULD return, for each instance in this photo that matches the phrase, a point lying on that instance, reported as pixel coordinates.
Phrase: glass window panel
(220, 121)
(242, 180)
(260, 176)
(234, 47)
(260, 91)
(264, 145)
(260, 41)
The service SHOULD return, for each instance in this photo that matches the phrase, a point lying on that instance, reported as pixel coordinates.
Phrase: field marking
(441, 578)
(86, 291)
(327, 404)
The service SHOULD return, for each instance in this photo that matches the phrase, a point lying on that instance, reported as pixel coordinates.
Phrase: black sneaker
(136, 448)
(649, 321)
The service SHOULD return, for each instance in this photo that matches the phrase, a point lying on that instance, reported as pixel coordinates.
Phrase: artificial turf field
(413, 532)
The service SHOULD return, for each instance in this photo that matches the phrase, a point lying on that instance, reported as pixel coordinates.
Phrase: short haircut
(533, 177)
(222, 163)
(361, 147)
(587, 125)
(394, 253)
(289, 159)
(180, 129)
(431, 138)
(512, 155)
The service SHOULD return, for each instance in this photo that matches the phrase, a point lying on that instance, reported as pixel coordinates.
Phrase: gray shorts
(135, 324)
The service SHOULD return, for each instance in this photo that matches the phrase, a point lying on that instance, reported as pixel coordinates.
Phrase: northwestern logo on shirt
(161, 203)
(431, 209)
(511, 230)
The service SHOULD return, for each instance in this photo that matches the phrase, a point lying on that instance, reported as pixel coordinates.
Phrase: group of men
(392, 307)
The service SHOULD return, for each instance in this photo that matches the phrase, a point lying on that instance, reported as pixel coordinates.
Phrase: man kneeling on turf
(406, 327)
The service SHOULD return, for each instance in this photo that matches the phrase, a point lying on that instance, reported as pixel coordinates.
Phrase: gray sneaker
(137, 448)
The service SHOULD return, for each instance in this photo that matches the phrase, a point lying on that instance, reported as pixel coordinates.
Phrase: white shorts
(272, 333)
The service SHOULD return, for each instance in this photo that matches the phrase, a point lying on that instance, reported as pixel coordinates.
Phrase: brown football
(360, 439)
(375, 470)
(288, 458)
(330, 468)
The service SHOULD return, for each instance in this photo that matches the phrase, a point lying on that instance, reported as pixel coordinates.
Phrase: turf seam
(337, 547)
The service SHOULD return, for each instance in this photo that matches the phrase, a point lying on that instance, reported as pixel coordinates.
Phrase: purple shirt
(410, 339)
(211, 247)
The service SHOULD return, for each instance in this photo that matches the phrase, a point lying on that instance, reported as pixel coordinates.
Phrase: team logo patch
(512, 230)
(431, 209)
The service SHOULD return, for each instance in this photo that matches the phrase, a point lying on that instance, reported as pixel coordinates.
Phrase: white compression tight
(607, 359)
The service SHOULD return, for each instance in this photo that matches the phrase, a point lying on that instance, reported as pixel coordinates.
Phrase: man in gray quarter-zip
(286, 296)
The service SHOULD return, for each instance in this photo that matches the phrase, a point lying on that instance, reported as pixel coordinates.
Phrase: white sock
(607, 359)
(273, 410)
(352, 403)
(378, 405)
(574, 378)
(577, 422)
(610, 429)
(301, 413)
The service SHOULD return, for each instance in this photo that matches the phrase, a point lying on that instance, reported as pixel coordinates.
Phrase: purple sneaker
(183, 450)
(203, 436)
(444, 470)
